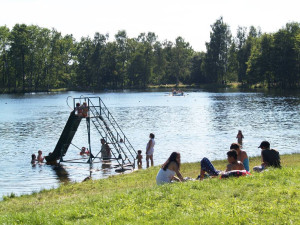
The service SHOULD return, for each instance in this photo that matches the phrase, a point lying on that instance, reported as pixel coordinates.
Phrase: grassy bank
(271, 197)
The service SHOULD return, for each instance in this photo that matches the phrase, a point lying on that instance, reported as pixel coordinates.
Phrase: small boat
(177, 93)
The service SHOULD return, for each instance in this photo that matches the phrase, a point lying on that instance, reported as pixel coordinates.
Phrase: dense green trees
(34, 58)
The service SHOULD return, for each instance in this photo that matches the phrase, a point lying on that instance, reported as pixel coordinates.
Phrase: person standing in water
(139, 158)
(150, 150)
(240, 137)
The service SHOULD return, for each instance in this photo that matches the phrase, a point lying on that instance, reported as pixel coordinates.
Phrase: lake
(201, 123)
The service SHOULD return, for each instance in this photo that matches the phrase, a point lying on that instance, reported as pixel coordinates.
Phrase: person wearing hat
(269, 157)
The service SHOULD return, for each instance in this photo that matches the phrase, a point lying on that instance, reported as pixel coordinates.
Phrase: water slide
(65, 138)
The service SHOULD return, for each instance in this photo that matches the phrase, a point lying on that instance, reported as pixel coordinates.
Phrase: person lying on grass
(168, 170)
(207, 166)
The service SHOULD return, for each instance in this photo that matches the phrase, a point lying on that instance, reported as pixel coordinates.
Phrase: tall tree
(217, 51)
(4, 62)
(19, 51)
(181, 60)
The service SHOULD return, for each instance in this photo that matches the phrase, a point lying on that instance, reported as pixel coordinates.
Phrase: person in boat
(242, 155)
(207, 166)
(105, 150)
(139, 158)
(174, 92)
(84, 151)
(269, 157)
(150, 150)
(40, 157)
(167, 172)
(240, 137)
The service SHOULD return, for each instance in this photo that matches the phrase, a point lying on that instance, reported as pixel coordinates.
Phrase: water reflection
(61, 173)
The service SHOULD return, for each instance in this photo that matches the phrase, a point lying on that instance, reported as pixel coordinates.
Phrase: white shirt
(151, 150)
(164, 176)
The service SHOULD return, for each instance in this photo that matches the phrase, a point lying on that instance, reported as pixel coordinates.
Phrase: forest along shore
(268, 197)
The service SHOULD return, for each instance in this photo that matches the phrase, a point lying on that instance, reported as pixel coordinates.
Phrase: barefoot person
(207, 166)
(150, 150)
(139, 158)
(168, 170)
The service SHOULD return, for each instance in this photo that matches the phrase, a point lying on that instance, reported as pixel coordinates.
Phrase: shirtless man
(207, 166)
(234, 164)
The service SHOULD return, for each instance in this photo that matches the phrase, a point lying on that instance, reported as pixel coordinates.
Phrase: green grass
(271, 197)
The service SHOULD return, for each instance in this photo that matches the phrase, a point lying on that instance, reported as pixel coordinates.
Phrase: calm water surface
(197, 125)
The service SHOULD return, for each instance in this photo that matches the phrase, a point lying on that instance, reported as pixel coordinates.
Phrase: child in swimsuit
(139, 158)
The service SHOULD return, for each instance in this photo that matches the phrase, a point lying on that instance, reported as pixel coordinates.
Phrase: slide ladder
(110, 131)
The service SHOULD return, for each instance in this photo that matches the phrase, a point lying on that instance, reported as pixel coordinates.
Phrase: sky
(168, 19)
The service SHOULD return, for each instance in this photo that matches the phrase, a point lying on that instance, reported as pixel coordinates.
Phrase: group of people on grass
(238, 164)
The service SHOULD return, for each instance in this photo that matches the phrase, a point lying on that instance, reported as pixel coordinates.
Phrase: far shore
(168, 87)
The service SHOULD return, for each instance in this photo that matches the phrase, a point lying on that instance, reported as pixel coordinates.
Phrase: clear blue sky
(168, 19)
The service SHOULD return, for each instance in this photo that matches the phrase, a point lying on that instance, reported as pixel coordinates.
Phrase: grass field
(270, 197)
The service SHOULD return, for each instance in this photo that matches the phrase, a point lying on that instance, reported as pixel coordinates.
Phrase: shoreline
(169, 87)
(216, 162)
(135, 198)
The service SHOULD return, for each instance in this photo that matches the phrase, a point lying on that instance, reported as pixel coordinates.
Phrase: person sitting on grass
(167, 172)
(242, 155)
(207, 166)
(269, 157)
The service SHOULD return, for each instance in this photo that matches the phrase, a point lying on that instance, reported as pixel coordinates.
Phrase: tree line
(33, 58)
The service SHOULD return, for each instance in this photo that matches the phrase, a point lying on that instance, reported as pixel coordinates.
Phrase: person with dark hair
(150, 150)
(78, 109)
(269, 157)
(208, 167)
(139, 158)
(33, 159)
(105, 150)
(168, 170)
(241, 155)
(40, 157)
(84, 151)
(234, 164)
(240, 137)
(85, 109)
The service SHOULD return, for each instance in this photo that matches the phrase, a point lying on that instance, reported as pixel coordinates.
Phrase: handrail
(109, 128)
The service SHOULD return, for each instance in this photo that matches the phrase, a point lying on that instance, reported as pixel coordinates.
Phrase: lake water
(199, 124)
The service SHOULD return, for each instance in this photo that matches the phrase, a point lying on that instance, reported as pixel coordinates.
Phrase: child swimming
(40, 157)
(33, 159)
